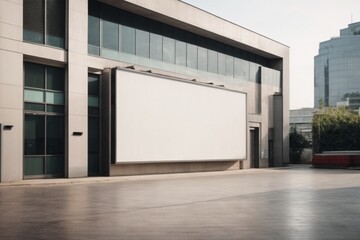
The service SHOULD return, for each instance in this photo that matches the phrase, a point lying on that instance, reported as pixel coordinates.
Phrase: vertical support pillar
(77, 89)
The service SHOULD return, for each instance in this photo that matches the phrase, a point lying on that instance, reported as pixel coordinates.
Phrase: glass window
(127, 32)
(202, 59)
(142, 43)
(55, 24)
(93, 146)
(254, 72)
(34, 166)
(221, 63)
(35, 107)
(34, 25)
(34, 135)
(142, 37)
(156, 46)
(93, 101)
(191, 59)
(242, 69)
(212, 61)
(93, 126)
(136, 35)
(180, 53)
(55, 108)
(128, 39)
(55, 165)
(55, 98)
(44, 133)
(192, 52)
(110, 35)
(94, 25)
(34, 96)
(34, 75)
(168, 50)
(55, 135)
(34, 21)
(168, 43)
(110, 31)
(55, 78)
(93, 84)
(229, 65)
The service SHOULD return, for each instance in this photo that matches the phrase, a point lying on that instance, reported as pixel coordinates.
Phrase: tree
(336, 129)
(297, 144)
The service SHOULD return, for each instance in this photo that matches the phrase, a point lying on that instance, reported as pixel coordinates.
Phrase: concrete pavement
(284, 203)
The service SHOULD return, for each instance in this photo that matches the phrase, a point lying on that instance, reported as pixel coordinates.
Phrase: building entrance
(254, 147)
(44, 121)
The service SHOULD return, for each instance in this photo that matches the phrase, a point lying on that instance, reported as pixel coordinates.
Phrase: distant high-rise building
(337, 70)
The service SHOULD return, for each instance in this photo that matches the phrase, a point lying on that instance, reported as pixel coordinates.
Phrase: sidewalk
(84, 180)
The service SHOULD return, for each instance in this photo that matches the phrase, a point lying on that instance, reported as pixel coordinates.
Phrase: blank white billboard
(165, 120)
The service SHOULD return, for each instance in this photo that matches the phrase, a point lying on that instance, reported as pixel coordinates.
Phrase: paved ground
(289, 203)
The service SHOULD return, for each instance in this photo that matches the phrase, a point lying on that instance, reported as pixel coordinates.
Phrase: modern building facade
(302, 120)
(337, 70)
(136, 87)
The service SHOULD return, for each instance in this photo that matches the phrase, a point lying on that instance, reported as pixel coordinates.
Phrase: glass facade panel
(142, 37)
(180, 53)
(55, 135)
(128, 39)
(93, 126)
(202, 59)
(93, 101)
(35, 107)
(34, 26)
(94, 24)
(34, 96)
(93, 84)
(110, 35)
(254, 73)
(336, 70)
(44, 132)
(55, 165)
(221, 64)
(33, 166)
(55, 108)
(55, 78)
(55, 98)
(142, 43)
(35, 21)
(229, 66)
(191, 56)
(34, 135)
(156, 46)
(55, 23)
(93, 146)
(242, 69)
(148, 40)
(34, 75)
(168, 50)
(212, 61)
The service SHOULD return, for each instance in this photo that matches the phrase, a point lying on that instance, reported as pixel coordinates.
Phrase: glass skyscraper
(337, 70)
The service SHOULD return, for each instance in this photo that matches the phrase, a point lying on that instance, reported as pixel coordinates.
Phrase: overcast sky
(300, 24)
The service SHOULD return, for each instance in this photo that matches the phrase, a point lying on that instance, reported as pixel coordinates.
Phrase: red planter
(341, 160)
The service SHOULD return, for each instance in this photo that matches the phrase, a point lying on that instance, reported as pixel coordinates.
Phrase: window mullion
(45, 22)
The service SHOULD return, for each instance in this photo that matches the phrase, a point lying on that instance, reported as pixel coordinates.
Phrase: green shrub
(297, 144)
(336, 129)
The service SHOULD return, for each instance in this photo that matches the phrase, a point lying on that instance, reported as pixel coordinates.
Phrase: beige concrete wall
(11, 90)
(13, 52)
(162, 168)
(77, 88)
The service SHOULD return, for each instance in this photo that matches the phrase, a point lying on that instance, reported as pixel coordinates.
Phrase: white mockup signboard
(165, 120)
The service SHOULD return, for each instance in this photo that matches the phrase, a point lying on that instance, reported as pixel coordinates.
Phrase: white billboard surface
(165, 120)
